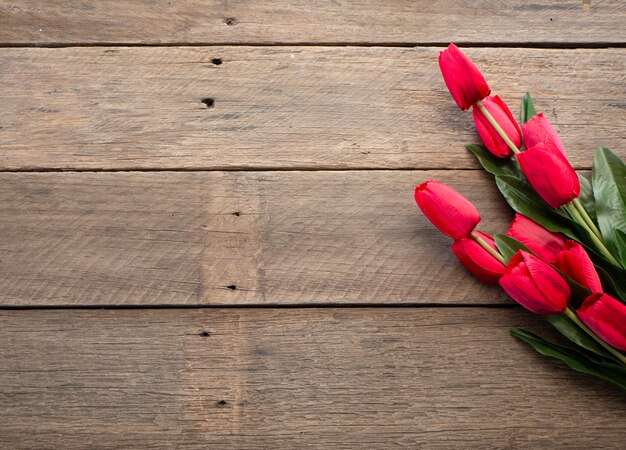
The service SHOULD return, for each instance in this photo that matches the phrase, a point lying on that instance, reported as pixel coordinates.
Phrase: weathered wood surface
(434, 377)
(363, 21)
(195, 238)
(330, 378)
(285, 107)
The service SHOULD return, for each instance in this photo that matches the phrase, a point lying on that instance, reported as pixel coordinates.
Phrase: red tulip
(465, 82)
(478, 260)
(550, 174)
(538, 130)
(606, 316)
(502, 114)
(543, 243)
(535, 285)
(574, 261)
(448, 210)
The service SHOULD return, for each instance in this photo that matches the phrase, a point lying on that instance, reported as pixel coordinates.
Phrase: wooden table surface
(208, 237)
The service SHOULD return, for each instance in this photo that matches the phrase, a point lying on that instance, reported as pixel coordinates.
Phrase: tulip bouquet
(564, 255)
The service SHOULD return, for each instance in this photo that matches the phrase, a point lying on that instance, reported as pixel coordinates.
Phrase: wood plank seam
(464, 44)
(363, 21)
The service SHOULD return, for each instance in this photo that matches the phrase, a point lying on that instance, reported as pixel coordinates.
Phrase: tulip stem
(596, 241)
(583, 212)
(497, 127)
(572, 315)
(487, 247)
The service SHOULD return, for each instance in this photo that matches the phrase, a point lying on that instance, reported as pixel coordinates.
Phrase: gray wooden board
(328, 378)
(285, 107)
(362, 21)
(195, 238)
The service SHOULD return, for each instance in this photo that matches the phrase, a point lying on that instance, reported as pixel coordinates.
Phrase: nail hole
(222, 403)
(209, 102)
(217, 61)
(205, 334)
(232, 287)
(230, 21)
(236, 213)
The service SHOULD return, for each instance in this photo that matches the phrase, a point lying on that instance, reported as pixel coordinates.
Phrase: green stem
(583, 212)
(572, 315)
(497, 127)
(597, 242)
(487, 247)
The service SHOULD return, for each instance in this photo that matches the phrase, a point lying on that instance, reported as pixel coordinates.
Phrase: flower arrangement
(564, 255)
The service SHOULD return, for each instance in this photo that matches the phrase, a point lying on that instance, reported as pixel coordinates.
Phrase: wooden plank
(363, 21)
(329, 378)
(285, 107)
(193, 238)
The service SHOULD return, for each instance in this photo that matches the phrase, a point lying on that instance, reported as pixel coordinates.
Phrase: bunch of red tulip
(564, 255)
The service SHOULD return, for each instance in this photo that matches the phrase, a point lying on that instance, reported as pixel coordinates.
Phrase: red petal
(465, 82)
(550, 174)
(448, 210)
(548, 281)
(606, 316)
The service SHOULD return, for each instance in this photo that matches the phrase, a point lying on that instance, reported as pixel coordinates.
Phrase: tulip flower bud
(550, 174)
(538, 130)
(606, 316)
(448, 210)
(535, 285)
(502, 114)
(574, 262)
(543, 243)
(465, 82)
(478, 260)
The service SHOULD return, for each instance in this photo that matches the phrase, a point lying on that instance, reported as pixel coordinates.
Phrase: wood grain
(327, 378)
(362, 21)
(285, 107)
(195, 238)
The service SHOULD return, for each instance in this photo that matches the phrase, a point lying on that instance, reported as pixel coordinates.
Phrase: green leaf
(621, 246)
(568, 328)
(521, 196)
(528, 109)
(508, 246)
(609, 284)
(579, 292)
(609, 189)
(494, 165)
(586, 196)
(613, 278)
(577, 360)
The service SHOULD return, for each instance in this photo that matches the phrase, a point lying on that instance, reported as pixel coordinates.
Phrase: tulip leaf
(586, 196)
(568, 328)
(577, 360)
(509, 246)
(579, 292)
(522, 198)
(621, 240)
(494, 165)
(612, 287)
(528, 108)
(609, 188)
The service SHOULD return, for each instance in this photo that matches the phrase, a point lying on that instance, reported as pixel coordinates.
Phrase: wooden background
(208, 236)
